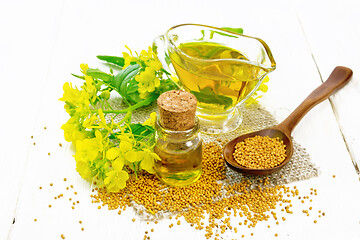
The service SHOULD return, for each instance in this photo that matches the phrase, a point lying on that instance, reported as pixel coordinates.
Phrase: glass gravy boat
(221, 68)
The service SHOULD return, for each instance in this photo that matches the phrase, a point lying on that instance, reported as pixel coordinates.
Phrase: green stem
(108, 104)
(135, 171)
(133, 107)
(127, 116)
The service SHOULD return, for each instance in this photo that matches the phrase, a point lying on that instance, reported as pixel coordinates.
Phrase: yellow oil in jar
(178, 167)
(218, 85)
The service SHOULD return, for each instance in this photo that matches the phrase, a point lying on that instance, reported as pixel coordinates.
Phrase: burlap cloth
(255, 118)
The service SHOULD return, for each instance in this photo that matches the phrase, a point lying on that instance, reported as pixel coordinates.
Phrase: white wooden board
(43, 42)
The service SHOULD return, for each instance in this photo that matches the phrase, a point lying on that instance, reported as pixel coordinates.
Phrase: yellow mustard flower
(102, 123)
(129, 58)
(72, 132)
(155, 65)
(147, 160)
(150, 121)
(83, 168)
(74, 96)
(89, 149)
(116, 180)
(147, 80)
(146, 55)
(90, 88)
(84, 68)
(90, 122)
(124, 152)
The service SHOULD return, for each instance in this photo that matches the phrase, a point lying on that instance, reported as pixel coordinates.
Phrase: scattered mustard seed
(35, 220)
(253, 203)
(62, 236)
(133, 219)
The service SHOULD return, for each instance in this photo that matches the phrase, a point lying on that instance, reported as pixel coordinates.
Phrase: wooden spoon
(337, 79)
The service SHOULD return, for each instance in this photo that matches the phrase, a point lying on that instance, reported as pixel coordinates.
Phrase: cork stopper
(177, 110)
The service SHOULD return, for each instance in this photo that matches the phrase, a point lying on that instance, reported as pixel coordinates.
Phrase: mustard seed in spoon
(337, 79)
(260, 152)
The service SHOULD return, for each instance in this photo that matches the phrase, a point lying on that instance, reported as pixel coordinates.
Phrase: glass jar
(180, 153)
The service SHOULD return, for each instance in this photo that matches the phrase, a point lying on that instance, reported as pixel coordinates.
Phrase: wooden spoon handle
(337, 79)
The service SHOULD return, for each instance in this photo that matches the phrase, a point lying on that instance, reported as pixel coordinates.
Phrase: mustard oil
(218, 85)
(180, 155)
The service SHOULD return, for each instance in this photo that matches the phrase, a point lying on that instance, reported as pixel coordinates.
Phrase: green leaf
(143, 134)
(153, 96)
(203, 35)
(213, 51)
(207, 95)
(235, 30)
(140, 131)
(119, 61)
(220, 33)
(167, 85)
(81, 77)
(128, 78)
(167, 59)
(98, 74)
(123, 75)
